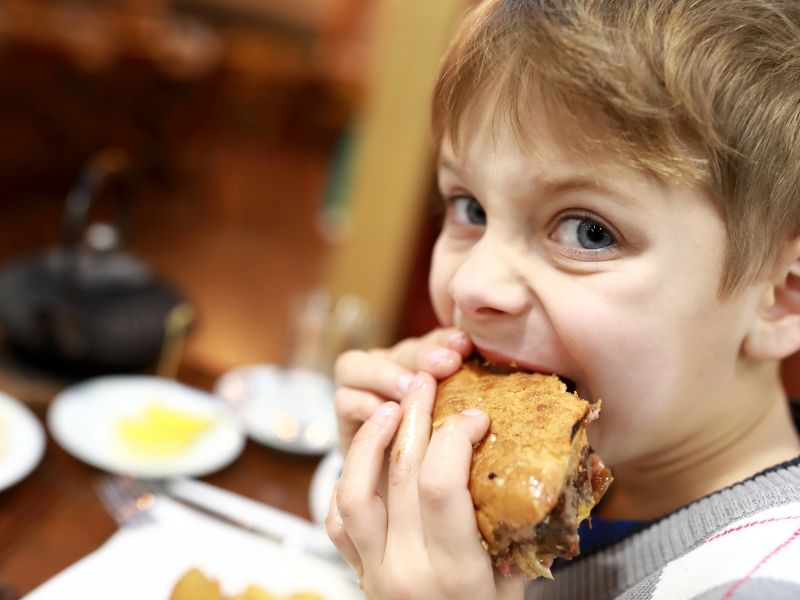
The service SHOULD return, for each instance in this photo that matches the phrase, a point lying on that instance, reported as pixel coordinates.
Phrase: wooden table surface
(53, 517)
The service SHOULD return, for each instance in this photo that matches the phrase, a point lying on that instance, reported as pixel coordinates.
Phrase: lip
(503, 360)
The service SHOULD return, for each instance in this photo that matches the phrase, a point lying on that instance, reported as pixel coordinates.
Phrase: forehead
(530, 127)
(543, 155)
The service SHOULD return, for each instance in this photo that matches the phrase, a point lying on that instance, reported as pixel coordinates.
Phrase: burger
(534, 477)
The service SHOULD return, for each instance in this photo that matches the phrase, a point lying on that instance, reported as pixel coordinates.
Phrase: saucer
(286, 409)
(85, 420)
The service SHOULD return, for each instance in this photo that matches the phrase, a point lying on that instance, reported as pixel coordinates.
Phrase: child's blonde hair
(704, 89)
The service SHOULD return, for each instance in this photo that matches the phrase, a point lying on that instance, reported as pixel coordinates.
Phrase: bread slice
(533, 477)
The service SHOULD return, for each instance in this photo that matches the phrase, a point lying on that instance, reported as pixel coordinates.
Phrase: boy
(622, 190)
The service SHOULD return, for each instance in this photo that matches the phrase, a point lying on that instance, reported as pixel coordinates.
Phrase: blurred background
(198, 184)
(249, 162)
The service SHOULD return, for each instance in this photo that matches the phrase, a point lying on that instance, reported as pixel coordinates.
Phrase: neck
(763, 436)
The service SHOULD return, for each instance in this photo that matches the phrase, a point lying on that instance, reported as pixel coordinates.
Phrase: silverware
(129, 502)
(156, 489)
(126, 500)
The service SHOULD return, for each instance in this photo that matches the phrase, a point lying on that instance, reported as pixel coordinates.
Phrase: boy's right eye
(466, 210)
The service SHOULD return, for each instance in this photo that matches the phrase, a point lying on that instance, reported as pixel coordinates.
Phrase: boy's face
(592, 270)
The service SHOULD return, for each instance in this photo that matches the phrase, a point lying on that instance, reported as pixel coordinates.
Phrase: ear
(775, 333)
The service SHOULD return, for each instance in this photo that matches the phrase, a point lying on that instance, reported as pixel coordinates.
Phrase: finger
(453, 338)
(408, 452)
(353, 408)
(446, 508)
(336, 532)
(439, 353)
(361, 509)
(374, 371)
(509, 587)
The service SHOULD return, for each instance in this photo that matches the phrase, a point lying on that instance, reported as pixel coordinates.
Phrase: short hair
(701, 89)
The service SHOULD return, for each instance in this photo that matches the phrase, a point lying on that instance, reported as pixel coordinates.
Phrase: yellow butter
(161, 430)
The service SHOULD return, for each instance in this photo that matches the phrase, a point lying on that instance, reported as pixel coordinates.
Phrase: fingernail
(472, 412)
(438, 357)
(457, 340)
(404, 382)
(418, 382)
(385, 409)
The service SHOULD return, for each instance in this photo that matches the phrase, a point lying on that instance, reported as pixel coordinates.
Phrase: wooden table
(53, 517)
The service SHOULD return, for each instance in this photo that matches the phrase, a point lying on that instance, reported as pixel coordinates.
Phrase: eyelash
(586, 253)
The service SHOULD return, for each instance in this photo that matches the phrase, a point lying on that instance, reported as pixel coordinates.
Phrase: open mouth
(569, 383)
(498, 364)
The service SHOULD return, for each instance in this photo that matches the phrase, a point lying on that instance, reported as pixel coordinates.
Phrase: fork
(129, 500)
(126, 500)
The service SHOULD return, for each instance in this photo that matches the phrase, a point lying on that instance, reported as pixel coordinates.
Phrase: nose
(486, 283)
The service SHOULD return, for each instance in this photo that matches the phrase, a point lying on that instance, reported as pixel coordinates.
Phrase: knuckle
(344, 364)
(452, 584)
(351, 414)
(334, 529)
(354, 407)
(350, 505)
(396, 583)
(437, 333)
(434, 491)
(404, 347)
(345, 403)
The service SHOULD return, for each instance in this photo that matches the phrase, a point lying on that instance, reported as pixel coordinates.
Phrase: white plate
(144, 562)
(22, 441)
(324, 480)
(84, 418)
(288, 409)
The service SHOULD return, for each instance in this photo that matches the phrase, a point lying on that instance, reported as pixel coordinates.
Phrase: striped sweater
(740, 543)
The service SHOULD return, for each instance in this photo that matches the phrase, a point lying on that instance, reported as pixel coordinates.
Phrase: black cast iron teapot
(85, 307)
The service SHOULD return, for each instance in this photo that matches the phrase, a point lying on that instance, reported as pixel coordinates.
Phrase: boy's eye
(584, 233)
(466, 210)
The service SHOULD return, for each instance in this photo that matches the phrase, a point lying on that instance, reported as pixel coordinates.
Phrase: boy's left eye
(583, 233)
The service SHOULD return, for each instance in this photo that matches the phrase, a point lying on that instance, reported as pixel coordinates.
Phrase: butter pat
(160, 430)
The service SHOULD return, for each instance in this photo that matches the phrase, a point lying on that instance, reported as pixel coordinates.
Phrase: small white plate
(288, 409)
(84, 419)
(323, 481)
(22, 441)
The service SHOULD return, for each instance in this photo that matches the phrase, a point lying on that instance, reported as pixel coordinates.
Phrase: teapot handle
(96, 174)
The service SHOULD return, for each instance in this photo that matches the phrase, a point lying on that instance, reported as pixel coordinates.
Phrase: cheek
(443, 268)
(625, 354)
(647, 356)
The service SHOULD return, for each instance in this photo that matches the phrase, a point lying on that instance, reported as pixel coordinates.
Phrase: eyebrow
(558, 186)
(555, 186)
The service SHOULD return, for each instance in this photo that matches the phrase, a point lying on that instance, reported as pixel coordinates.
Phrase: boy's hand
(422, 541)
(366, 380)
